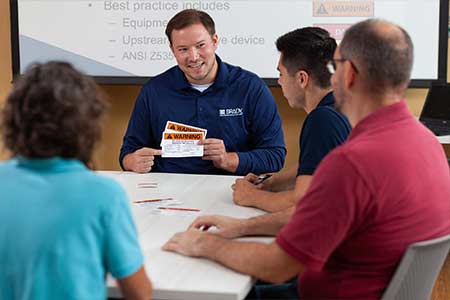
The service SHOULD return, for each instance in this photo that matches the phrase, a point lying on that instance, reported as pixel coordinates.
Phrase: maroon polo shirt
(388, 186)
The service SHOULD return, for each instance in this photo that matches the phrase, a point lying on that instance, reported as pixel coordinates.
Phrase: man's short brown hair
(187, 18)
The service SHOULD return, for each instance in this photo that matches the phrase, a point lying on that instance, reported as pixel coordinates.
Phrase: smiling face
(194, 49)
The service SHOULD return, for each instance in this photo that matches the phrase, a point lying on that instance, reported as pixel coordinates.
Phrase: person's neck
(368, 104)
(314, 96)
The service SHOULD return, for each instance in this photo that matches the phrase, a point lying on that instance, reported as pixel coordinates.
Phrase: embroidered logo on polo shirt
(231, 112)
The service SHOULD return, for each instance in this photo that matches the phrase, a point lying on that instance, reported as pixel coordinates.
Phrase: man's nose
(193, 54)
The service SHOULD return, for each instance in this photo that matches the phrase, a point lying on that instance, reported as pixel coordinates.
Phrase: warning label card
(181, 140)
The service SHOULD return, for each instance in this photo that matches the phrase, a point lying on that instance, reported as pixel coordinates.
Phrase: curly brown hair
(53, 110)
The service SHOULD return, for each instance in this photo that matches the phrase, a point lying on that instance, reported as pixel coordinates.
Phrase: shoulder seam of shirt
(345, 156)
(320, 111)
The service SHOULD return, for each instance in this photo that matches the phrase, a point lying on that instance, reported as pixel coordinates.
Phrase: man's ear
(302, 78)
(215, 40)
(350, 74)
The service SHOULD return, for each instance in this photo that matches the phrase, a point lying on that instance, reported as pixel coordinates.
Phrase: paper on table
(146, 190)
(176, 211)
(147, 185)
(157, 202)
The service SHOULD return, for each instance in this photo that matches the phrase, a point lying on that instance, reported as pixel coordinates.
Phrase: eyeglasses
(332, 64)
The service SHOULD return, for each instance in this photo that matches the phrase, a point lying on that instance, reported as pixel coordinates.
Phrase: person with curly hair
(63, 226)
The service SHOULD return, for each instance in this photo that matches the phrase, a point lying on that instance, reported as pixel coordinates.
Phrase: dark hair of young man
(308, 49)
(52, 110)
(187, 18)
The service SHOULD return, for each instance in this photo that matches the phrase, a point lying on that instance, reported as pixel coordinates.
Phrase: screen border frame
(271, 82)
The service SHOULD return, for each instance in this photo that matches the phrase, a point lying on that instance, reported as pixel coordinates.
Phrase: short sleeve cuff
(131, 268)
(307, 260)
(305, 171)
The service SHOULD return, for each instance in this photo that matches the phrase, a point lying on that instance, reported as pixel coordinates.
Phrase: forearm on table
(277, 201)
(263, 261)
(273, 201)
(269, 224)
(283, 180)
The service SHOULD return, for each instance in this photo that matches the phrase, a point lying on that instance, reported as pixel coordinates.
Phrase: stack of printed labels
(181, 140)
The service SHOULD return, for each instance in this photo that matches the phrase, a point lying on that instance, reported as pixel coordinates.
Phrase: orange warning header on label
(323, 8)
(181, 128)
(183, 136)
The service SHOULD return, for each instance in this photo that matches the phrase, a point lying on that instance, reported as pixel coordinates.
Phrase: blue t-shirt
(323, 130)
(63, 228)
(237, 108)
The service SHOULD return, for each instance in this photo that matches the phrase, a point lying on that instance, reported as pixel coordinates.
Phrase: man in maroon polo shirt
(388, 186)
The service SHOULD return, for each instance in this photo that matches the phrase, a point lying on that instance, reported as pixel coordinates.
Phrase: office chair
(417, 272)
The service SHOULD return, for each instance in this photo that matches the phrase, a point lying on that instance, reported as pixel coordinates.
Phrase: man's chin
(197, 78)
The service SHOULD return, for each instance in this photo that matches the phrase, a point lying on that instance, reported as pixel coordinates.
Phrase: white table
(175, 276)
(444, 139)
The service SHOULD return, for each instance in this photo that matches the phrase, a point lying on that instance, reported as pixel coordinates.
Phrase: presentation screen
(123, 41)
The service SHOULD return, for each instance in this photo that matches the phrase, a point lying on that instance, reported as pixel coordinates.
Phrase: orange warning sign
(182, 128)
(323, 8)
(183, 136)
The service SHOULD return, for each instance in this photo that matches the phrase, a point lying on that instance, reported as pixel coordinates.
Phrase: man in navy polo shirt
(305, 82)
(234, 105)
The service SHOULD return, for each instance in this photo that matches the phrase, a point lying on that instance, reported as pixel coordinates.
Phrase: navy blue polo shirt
(237, 108)
(323, 130)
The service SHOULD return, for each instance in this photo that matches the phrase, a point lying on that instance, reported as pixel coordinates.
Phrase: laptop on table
(436, 110)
